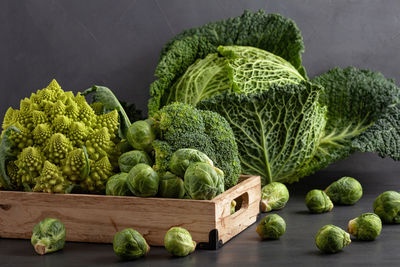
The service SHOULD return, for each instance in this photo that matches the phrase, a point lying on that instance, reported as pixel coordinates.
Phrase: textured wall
(116, 43)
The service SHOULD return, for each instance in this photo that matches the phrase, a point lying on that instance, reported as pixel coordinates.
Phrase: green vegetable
(181, 159)
(129, 244)
(367, 226)
(332, 239)
(130, 159)
(317, 201)
(182, 126)
(48, 236)
(57, 140)
(141, 134)
(346, 190)
(143, 181)
(270, 32)
(271, 226)
(233, 206)
(171, 186)
(248, 69)
(202, 181)
(178, 242)
(117, 185)
(387, 207)
(274, 196)
(259, 120)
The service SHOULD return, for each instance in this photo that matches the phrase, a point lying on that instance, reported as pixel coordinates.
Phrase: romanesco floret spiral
(10, 117)
(42, 133)
(29, 163)
(74, 164)
(78, 132)
(100, 171)
(51, 180)
(38, 117)
(99, 144)
(55, 126)
(110, 121)
(61, 124)
(57, 148)
(22, 139)
(12, 171)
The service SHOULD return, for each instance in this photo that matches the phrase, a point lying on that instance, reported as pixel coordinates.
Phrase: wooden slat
(229, 225)
(91, 218)
(96, 218)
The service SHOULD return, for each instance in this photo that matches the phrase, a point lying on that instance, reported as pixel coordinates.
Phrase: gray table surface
(295, 248)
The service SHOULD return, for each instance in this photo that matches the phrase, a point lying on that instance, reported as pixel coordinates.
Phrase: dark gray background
(117, 43)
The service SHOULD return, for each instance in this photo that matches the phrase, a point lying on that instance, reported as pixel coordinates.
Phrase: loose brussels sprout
(181, 159)
(143, 181)
(367, 226)
(140, 135)
(171, 186)
(48, 236)
(117, 186)
(331, 239)
(271, 226)
(202, 181)
(317, 201)
(130, 244)
(274, 196)
(178, 242)
(346, 190)
(233, 206)
(387, 207)
(130, 159)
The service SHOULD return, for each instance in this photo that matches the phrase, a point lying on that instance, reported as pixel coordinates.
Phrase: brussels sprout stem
(40, 249)
(265, 207)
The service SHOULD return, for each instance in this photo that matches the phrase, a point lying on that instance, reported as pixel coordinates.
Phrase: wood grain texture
(96, 218)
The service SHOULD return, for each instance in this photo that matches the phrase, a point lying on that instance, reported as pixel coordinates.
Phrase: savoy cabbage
(248, 69)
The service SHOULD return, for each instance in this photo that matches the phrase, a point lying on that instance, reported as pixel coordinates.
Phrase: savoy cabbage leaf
(277, 131)
(240, 69)
(355, 99)
(270, 32)
(382, 137)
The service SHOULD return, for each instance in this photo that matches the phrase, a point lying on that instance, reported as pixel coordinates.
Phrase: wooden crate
(96, 218)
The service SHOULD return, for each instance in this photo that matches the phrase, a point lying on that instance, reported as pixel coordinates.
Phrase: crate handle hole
(242, 202)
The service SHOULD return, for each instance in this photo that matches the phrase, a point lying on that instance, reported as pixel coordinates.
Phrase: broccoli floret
(47, 139)
(183, 126)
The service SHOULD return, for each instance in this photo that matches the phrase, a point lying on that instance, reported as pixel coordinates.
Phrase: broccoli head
(181, 125)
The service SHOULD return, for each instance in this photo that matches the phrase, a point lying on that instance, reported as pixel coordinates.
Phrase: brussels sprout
(202, 181)
(117, 186)
(346, 190)
(141, 134)
(182, 158)
(317, 201)
(143, 181)
(178, 242)
(48, 236)
(233, 206)
(367, 226)
(274, 196)
(331, 239)
(130, 159)
(130, 244)
(171, 186)
(271, 226)
(387, 207)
